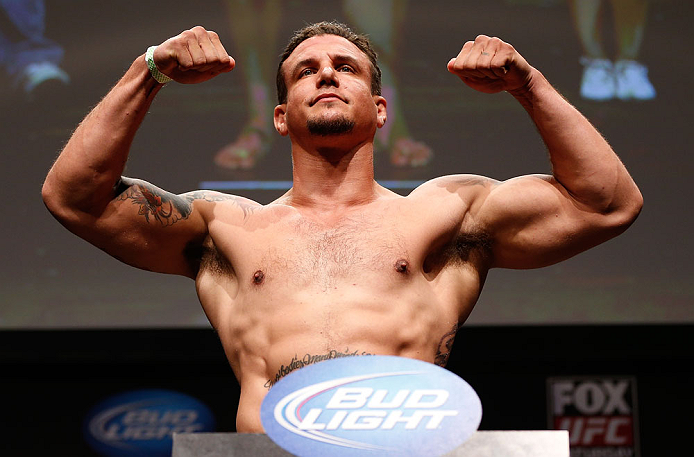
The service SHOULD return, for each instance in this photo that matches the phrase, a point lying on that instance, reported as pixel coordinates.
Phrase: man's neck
(329, 181)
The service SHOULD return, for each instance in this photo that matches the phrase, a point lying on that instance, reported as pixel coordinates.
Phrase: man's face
(328, 90)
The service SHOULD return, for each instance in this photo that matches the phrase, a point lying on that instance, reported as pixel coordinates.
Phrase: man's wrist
(533, 77)
(536, 86)
(158, 76)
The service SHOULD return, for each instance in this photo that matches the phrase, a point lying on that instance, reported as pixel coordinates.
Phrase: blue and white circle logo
(142, 422)
(379, 405)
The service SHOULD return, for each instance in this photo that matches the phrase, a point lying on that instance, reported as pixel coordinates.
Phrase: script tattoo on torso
(308, 359)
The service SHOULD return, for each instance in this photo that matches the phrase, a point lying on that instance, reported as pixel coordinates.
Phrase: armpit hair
(470, 247)
(465, 245)
(206, 256)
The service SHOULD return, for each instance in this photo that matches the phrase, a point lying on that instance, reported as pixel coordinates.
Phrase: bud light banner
(142, 422)
(375, 405)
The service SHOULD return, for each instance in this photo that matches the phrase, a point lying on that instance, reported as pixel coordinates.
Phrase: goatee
(327, 127)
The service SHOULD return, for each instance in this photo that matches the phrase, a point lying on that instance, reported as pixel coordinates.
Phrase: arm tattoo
(246, 207)
(309, 359)
(166, 208)
(458, 183)
(461, 181)
(154, 203)
(473, 181)
(445, 345)
(207, 196)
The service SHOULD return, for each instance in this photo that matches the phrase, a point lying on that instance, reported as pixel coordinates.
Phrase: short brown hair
(329, 28)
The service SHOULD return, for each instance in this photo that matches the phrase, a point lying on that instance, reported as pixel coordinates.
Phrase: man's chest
(301, 251)
(385, 243)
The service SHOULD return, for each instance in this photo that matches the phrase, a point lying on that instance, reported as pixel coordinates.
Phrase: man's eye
(345, 68)
(307, 72)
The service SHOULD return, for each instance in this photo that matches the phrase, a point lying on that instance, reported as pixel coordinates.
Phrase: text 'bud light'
(142, 422)
(376, 405)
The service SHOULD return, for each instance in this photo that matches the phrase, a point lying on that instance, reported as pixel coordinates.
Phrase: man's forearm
(582, 161)
(83, 176)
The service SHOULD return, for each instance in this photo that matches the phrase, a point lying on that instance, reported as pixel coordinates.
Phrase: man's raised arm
(84, 189)
(539, 220)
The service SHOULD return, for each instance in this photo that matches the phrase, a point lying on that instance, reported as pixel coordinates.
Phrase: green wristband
(160, 77)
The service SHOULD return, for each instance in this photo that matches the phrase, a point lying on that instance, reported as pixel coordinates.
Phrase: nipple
(401, 266)
(258, 277)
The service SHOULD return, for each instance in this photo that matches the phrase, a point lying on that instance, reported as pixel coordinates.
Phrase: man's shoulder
(452, 197)
(209, 202)
(215, 196)
(461, 184)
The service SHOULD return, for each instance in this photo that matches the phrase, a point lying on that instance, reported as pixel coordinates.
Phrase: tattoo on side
(445, 346)
(309, 359)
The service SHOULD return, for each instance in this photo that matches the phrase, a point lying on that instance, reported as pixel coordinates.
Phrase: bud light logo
(376, 405)
(142, 422)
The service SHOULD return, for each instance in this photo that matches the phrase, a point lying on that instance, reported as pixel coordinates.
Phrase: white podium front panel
(545, 443)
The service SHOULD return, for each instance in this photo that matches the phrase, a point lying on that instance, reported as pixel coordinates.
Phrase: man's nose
(327, 77)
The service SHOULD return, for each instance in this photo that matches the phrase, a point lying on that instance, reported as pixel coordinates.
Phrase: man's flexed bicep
(539, 220)
(146, 227)
(133, 220)
(533, 221)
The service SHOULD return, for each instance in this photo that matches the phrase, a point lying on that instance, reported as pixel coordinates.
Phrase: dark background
(78, 326)
(51, 279)
(53, 378)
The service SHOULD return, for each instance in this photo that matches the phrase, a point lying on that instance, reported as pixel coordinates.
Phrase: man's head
(329, 28)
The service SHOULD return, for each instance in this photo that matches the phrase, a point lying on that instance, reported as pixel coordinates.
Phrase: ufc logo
(596, 412)
(597, 430)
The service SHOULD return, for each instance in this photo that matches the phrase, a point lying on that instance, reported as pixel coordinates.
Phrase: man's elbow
(626, 213)
(54, 198)
(637, 204)
(49, 195)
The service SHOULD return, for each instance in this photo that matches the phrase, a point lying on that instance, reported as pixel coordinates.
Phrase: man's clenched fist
(490, 65)
(193, 56)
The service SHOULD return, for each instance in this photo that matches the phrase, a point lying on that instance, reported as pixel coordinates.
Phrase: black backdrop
(52, 378)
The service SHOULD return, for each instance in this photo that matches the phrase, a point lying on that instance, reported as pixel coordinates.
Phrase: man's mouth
(328, 97)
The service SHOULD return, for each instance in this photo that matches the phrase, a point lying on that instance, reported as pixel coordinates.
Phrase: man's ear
(281, 119)
(381, 112)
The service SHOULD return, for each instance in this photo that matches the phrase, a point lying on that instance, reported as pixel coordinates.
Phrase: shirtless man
(338, 265)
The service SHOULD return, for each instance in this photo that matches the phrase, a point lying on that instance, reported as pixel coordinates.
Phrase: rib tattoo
(445, 346)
